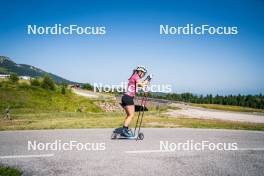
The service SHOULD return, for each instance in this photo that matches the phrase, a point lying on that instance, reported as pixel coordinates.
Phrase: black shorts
(127, 100)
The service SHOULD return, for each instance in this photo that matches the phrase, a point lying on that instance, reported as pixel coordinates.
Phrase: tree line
(252, 101)
(45, 82)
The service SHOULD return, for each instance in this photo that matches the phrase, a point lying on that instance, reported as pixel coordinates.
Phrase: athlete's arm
(142, 84)
(145, 82)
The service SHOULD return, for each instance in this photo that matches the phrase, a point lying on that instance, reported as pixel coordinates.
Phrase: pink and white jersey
(131, 89)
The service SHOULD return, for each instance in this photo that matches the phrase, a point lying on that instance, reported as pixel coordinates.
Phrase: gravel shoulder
(203, 113)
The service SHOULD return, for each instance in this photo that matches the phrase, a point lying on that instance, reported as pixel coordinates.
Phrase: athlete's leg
(130, 111)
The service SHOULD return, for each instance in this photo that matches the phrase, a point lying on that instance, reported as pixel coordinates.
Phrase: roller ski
(123, 133)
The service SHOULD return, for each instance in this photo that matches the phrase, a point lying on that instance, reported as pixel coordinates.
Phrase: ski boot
(122, 133)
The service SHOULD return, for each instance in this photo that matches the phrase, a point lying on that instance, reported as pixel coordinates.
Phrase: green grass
(37, 108)
(23, 98)
(66, 120)
(8, 171)
(228, 108)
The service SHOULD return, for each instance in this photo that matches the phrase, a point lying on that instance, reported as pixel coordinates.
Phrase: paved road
(203, 113)
(124, 157)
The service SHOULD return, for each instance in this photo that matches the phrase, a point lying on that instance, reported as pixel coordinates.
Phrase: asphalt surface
(130, 157)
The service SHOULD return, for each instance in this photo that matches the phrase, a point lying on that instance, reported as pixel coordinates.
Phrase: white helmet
(141, 68)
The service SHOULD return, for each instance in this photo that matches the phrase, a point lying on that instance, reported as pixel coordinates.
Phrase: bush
(48, 83)
(35, 82)
(63, 90)
(13, 78)
(8, 171)
(87, 86)
(24, 85)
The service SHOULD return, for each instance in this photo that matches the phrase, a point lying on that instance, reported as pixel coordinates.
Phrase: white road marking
(149, 151)
(259, 149)
(26, 156)
(171, 151)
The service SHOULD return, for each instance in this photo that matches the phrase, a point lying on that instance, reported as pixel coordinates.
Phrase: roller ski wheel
(116, 133)
(114, 136)
(141, 136)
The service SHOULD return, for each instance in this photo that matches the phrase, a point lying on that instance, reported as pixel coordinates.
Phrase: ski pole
(142, 115)
(139, 113)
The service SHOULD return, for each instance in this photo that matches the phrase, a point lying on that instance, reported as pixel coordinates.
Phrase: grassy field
(8, 171)
(23, 98)
(37, 108)
(64, 120)
(228, 108)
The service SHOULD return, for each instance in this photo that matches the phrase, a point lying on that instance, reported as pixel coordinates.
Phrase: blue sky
(198, 64)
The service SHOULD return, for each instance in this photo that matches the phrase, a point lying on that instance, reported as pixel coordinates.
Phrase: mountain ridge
(8, 66)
